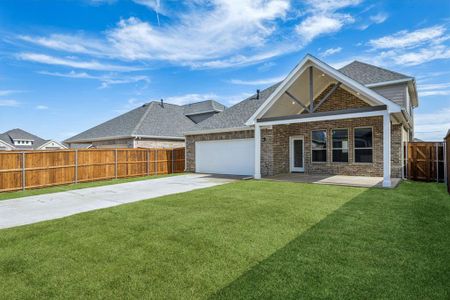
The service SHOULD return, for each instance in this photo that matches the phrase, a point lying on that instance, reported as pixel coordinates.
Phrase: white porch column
(257, 174)
(386, 149)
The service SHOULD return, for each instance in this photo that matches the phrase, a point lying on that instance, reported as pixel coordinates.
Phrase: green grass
(77, 186)
(249, 239)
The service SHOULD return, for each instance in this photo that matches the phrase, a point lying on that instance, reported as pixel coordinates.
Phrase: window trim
(348, 145)
(354, 148)
(326, 144)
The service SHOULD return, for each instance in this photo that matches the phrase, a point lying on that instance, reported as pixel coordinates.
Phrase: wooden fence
(36, 169)
(447, 159)
(425, 161)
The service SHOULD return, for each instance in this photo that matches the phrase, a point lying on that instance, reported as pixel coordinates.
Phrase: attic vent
(257, 94)
(162, 102)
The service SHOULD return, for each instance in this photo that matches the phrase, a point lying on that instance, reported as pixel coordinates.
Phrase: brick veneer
(340, 99)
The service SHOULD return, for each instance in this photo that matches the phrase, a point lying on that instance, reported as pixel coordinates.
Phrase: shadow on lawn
(381, 244)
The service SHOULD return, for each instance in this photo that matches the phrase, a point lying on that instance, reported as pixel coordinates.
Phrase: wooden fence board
(425, 161)
(49, 168)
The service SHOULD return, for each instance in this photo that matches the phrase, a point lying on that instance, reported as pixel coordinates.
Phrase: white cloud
(330, 51)
(404, 38)
(416, 57)
(90, 65)
(204, 33)
(106, 80)
(8, 92)
(261, 82)
(323, 18)
(434, 89)
(379, 18)
(41, 107)
(432, 126)
(189, 98)
(9, 102)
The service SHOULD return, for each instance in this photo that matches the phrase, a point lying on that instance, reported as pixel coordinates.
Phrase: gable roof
(19, 134)
(369, 74)
(149, 120)
(236, 115)
(203, 107)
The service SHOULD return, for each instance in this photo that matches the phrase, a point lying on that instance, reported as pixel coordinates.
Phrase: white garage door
(234, 157)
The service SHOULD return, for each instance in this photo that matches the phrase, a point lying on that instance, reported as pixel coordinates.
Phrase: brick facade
(275, 142)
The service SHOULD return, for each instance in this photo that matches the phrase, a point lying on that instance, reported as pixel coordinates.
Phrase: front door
(296, 154)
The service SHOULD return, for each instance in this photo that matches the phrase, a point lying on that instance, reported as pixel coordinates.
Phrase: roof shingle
(368, 74)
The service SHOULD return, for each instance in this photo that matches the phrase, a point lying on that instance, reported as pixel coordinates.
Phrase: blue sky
(68, 65)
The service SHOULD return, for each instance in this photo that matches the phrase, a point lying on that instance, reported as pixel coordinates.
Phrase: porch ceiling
(285, 105)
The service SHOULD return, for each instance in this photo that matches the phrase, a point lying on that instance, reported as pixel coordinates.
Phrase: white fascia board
(7, 145)
(219, 130)
(326, 118)
(51, 141)
(294, 74)
(122, 137)
(300, 68)
(390, 82)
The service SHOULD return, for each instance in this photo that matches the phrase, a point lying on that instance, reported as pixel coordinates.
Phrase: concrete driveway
(39, 208)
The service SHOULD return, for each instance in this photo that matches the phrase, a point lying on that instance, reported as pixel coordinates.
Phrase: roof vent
(162, 102)
(257, 94)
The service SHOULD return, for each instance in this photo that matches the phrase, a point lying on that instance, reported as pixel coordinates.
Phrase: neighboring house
(153, 125)
(18, 139)
(319, 120)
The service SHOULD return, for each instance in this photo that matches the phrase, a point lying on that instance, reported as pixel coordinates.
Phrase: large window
(319, 145)
(340, 145)
(363, 145)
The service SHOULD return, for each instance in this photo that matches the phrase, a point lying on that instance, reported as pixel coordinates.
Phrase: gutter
(219, 130)
(124, 137)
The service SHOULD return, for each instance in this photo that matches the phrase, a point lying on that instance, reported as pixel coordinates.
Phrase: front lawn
(249, 239)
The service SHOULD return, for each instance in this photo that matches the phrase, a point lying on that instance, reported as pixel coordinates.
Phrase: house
(318, 120)
(153, 125)
(18, 139)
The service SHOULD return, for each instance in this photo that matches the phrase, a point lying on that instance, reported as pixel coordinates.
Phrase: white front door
(296, 154)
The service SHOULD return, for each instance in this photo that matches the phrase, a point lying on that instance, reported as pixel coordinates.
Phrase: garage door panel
(234, 157)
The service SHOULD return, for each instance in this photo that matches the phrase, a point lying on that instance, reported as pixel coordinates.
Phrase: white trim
(291, 153)
(307, 61)
(390, 82)
(51, 141)
(325, 118)
(204, 112)
(219, 130)
(10, 147)
(118, 137)
(386, 150)
(257, 174)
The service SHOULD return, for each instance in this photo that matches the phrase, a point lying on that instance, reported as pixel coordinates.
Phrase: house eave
(123, 137)
(218, 130)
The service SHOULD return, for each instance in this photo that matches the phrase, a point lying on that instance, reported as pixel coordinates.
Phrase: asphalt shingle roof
(19, 134)
(367, 74)
(150, 119)
(203, 107)
(238, 114)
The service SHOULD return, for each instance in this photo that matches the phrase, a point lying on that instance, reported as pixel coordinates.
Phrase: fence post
(156, 161)
(23, 171)
(172, 161)
(115, 163)
(148, 162)
(76, 165)
(437, 162)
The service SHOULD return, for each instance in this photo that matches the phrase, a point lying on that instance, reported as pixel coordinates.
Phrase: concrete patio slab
(355, 181)
(28, 210)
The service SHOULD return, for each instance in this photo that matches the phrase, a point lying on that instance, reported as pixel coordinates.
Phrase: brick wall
(281, 134)
(340, 99)
(153, 143)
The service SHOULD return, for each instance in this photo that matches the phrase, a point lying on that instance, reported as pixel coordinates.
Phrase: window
(363, 145)
(319, 145)
(340, 145)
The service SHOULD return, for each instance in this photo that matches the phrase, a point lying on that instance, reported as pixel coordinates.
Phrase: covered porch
(352, 181)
